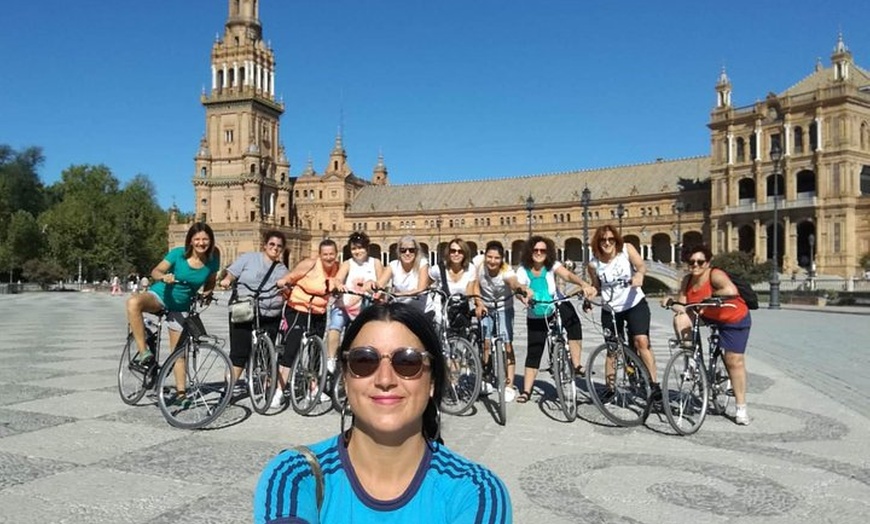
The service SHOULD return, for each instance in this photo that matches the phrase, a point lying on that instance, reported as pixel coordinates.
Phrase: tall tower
(241, 179)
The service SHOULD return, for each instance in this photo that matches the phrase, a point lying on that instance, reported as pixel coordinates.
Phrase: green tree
(43, 272)
(743, 265)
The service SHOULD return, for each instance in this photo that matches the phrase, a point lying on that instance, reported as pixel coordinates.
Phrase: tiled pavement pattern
(71, 452)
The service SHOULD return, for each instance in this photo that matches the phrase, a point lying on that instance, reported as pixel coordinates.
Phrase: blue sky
(446, 90)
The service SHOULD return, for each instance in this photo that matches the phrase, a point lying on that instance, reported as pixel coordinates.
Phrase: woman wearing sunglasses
(457, 277)
(261, 270)
(537, 275)
(409, 274)
(734, 323)
(390, 465)
(613, 262)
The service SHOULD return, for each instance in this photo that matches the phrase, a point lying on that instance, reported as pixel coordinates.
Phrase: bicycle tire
(262, 371)
(338, 393)
(308, 376)
(464, 374)
(132, 378)
(685, 392)
(627, 402)
(208, 385)
(722, 393)
(499, 365)
(563, 378)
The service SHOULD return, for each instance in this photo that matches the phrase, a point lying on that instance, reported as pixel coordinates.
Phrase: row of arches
(804, 249)
(776, 185)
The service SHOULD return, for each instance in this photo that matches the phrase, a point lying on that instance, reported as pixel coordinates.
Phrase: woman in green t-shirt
(177, 278)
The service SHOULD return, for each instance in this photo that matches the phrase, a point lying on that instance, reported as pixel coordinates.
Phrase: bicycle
(624, 396)
(688, 383)
(497, 355)
(461, 360)
(262, 366)
(559, 355)
(207, 372)
(308, 374)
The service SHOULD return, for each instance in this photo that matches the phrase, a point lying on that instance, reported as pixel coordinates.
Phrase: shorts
(338, 319)
(505, 322)
(733, 337)
(174, 320)
(637, 318)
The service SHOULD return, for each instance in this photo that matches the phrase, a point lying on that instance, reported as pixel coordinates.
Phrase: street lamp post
(776, 157)
(812, 272)
(585, 198)
(679, 207)
(620, 212)
(530, 206)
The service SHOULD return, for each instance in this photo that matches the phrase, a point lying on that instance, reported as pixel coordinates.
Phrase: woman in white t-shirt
(615, 261)
(458, 274)
(408, 275)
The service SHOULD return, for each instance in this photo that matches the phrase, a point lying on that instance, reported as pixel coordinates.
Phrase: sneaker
(144, 359)
(181, 400)
(510, 394)
(741, 417)
(277, 400)
(656, 396)
(486, 388)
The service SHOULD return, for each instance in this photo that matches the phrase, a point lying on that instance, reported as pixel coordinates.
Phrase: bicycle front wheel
(499, 365)
(262, 370)
(684, 392)
(621, 387)
(308, 376)
(563, 376)
(206, 390)
(133, 379)
(464, 374)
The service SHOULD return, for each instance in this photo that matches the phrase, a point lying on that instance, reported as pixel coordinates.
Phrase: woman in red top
(734, 323)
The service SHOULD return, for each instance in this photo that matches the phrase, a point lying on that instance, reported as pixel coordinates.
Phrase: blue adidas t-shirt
(447, 488)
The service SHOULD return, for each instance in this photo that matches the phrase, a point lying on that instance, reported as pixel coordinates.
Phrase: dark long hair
(526, 257)
(413, 319)
(198, 227)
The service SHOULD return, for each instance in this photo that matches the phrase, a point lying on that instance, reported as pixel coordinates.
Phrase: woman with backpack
(734, 323)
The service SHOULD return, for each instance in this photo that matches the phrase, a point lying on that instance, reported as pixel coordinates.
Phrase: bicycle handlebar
(714, 301)
(259, 294)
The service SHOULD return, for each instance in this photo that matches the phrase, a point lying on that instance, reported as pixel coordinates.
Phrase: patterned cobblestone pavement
(71, 451)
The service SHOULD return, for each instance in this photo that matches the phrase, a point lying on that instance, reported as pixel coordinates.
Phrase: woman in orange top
(311, 278)
(734, 323)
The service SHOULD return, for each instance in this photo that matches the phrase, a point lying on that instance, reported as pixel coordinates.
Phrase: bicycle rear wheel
(563, 378)
(619, 384)
(308, 376)
(207, 387)
(684, 392)
(499, 364)
(262, 370)
(133, 379)
(464, 374)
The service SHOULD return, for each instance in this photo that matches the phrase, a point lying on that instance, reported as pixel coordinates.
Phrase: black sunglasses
(695, 262)
(407, 362)
(407, 250)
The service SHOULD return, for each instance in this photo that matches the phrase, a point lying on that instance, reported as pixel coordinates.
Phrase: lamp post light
(679, 207)
(585, 198)
(530, 206)
(620, 212)
(776, 157)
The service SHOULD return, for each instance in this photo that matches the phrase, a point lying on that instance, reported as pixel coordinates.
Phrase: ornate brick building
(243, 184)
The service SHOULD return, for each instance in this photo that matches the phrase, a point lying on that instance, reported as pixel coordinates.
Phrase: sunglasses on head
(408, 363)
(696, 262)
(407, 250)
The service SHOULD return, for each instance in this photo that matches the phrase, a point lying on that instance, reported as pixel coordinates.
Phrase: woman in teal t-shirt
(177, 278)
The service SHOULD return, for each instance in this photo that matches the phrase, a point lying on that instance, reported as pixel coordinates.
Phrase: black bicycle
(559, 354)
(497, 357)
(262, 366)
(616, 378)
(691, 380)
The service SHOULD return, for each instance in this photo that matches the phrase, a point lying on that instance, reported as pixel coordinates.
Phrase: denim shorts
(505, 322)
(174, 319)
(338, 319)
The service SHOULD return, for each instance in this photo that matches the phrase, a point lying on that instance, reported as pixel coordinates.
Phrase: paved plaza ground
(72, 452)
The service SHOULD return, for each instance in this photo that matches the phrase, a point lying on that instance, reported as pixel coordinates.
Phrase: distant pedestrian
(116, 285)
